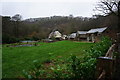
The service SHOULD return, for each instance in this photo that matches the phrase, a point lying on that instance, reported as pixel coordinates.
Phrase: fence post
(105, 68)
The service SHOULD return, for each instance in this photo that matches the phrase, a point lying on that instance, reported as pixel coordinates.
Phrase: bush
(9, 39)
(35, 38)
(27, 38)
(85, 68)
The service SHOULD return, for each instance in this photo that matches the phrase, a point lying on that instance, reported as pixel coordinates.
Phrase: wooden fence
(105, 65)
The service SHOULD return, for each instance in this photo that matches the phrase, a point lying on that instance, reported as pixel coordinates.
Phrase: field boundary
(106, 65)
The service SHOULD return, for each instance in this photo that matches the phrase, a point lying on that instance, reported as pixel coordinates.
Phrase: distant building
(64, 37)
(82, 35)
(55, 35)
(72, 36)
(95, 34)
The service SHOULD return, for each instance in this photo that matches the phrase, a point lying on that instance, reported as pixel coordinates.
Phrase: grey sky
(45, 8)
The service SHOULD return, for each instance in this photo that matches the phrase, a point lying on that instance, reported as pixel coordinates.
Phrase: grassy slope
(15, 59)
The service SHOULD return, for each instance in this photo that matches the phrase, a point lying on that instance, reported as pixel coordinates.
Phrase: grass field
(15, 59)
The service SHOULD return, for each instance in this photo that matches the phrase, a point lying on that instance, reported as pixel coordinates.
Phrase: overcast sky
(46, 8)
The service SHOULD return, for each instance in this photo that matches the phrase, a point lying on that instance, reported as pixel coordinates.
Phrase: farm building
(72, 36)
(55, 35)
(94, 34)
(64, 37)
(81, 35)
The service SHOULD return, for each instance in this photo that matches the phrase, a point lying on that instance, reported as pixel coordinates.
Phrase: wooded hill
(39, 28)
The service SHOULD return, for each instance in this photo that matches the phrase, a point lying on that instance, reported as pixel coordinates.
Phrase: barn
(72, 36)
(95, 34)
(81, 35)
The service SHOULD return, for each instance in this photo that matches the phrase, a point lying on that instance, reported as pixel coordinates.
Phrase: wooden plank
(104, 68)
(110, 51)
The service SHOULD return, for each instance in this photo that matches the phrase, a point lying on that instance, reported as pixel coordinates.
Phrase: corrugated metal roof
(82, 32)
(100, 30)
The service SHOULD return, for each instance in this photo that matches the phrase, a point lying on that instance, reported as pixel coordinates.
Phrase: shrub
(35, 38)
(85, 68)
(27, 38)
(9, 39)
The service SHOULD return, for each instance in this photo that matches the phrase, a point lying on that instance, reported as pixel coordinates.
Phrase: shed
(82, 35)
(72, 36)
(94, 34)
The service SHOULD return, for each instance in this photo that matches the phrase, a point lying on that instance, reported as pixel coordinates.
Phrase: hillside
(39, 28)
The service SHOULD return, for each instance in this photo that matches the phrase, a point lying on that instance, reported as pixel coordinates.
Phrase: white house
(55, 34)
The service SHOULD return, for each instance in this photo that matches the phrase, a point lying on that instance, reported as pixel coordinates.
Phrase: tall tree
(16, 18)
(107, 6)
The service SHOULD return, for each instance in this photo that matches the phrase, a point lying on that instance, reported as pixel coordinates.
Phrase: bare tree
(108, 6)
(17, 17)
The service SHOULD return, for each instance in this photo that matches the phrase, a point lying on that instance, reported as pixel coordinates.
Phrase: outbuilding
(82, 35)
(95, 34)
(72, 36)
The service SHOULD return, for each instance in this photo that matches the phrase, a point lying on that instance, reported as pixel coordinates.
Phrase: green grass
(15, 59)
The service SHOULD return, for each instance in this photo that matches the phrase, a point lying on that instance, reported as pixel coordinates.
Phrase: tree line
(14, 29)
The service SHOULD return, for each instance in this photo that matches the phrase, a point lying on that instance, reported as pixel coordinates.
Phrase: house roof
(73, 35)
(55, 34)
(100, 30)
(82, 32)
